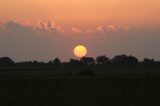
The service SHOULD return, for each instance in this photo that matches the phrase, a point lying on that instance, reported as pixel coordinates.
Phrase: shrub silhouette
(56, 62)
(74, 62)
(148, 61)
(125, 60)
(84, 61)
(102, 60)
(6, 61)
(87, 60)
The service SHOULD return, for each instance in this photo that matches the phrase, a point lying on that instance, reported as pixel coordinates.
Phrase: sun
(80, 51)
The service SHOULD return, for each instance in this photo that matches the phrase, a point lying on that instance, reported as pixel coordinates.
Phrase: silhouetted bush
(56, 62)
(88, 60)
(132, 60)
(148, 61)
(74, 62)
(102, 60)
(31, 63)
(125, 60)
(6, 61)
(84, 61)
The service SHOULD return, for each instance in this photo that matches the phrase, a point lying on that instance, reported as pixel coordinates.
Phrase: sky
(45, 29)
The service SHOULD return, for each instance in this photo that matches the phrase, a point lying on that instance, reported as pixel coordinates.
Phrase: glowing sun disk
(80, 51)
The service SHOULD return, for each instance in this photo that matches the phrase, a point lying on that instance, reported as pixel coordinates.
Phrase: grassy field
(111, 90)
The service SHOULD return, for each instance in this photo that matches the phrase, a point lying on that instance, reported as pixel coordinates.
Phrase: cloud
(101, 28)
(113, 28)
(75, 30)
(2, 29)
(1, 26)
(90, 32)
(45, 40)
(13, 28)
(54, 28)
(25, 42)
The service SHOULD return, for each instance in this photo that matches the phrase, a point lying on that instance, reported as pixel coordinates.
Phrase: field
(71, 91)
(78, 90)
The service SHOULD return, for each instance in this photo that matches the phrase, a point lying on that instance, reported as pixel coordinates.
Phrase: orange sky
(83, 13)
(51, 27)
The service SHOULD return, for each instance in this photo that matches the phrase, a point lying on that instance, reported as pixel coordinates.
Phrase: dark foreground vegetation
(81, 91)
(102, 65)
(120, 81)
(84, 61)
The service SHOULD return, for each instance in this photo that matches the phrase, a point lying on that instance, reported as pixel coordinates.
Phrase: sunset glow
(83, 13)
(43, 29)
(80, 52)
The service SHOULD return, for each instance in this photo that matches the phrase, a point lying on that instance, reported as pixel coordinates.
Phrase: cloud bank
(47, 40)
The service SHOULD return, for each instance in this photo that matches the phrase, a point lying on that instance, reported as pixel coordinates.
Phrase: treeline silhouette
(84, 61)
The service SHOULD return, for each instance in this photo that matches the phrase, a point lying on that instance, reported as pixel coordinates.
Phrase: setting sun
(80, 51)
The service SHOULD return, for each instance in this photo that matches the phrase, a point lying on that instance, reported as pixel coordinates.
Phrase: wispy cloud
(53, 27)
(46, 40)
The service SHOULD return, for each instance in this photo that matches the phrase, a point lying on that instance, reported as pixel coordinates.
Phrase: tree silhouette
(132, 60)
(6, 61)
(87, 60)
(125, 60)
(75, 62)
(148, 61)
(57, 61)
(102, 60)
(84, 61)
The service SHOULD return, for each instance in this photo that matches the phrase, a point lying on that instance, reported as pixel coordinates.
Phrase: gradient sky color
(83, 12)
(45, 29)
